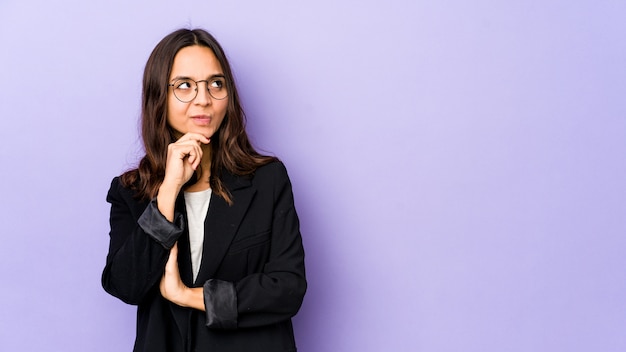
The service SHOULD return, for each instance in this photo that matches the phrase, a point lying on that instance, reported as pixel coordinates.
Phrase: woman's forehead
(197, 62)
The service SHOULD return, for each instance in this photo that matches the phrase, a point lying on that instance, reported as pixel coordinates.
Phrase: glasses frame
(196, 89)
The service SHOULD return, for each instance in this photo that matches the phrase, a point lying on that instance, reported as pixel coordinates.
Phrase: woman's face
(203, 114)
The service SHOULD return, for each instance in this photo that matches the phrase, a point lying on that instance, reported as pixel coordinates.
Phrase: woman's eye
(217, 84)
(183, 85)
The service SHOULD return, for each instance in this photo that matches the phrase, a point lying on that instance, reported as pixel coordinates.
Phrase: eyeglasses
(186, 89)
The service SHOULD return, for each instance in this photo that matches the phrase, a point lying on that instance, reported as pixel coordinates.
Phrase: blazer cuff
(220, 302)
(159, 228)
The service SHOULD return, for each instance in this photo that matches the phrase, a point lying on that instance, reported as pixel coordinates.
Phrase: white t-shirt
(197, 204)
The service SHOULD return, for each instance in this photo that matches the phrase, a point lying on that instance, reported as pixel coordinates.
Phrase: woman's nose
(203, 97)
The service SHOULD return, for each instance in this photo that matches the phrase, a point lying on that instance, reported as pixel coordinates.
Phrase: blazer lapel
(221, 224)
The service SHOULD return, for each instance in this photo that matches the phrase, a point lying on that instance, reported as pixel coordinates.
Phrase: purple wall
(458, 166)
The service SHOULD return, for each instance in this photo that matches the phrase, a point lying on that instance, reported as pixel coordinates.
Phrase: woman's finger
(194, 137)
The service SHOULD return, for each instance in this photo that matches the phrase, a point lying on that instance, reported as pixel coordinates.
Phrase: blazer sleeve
(276, 293)
(140, 240)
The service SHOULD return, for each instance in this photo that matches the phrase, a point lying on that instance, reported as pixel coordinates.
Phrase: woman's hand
(172, 287)
(183, 158)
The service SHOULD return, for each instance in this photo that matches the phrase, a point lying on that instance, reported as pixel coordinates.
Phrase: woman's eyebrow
(179, 77)
(220, 75)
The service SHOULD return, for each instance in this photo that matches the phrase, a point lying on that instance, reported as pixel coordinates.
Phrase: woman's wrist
(192, 297)
(166, 200)
(181, 298)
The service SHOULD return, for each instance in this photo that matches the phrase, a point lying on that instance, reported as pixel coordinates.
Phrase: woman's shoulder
(273, 169)
(118, 189)
(272, 176)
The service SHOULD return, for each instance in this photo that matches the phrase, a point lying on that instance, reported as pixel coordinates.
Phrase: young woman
(204, 236)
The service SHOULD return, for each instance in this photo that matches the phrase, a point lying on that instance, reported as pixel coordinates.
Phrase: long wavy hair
(232, 151)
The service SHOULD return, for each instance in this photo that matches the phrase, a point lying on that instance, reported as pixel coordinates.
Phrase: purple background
(458, 166)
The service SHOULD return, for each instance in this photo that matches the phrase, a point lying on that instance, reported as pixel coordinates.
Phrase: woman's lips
(202, 120)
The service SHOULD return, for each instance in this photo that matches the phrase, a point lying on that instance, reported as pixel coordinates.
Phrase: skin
(194, 122)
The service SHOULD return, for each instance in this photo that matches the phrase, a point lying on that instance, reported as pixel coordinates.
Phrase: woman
(205, 238)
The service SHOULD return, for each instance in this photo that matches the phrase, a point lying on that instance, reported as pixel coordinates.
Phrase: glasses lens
(185, 90)
(217, 88)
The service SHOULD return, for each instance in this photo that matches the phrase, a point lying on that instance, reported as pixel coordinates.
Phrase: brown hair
(232, 151)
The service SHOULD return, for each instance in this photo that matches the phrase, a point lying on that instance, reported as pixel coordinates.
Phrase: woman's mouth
(201, 120)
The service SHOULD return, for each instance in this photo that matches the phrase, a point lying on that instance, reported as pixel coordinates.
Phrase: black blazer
(252, 267)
